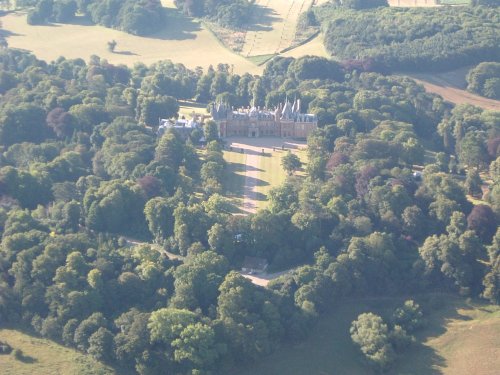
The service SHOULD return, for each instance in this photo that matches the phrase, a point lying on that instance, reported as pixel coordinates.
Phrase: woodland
(92, 200)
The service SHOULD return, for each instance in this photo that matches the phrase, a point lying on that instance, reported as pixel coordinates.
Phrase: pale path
(262, 279)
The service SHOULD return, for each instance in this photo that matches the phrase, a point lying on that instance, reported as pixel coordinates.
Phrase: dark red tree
(482, 220)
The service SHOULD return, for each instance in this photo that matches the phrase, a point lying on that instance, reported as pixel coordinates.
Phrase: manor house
(284, 121)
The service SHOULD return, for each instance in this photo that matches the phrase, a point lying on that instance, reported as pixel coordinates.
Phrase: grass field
(451, 86)
(314, 47)
(183, 41)
(460, 339)
(186, 108)
(44, 357)
(235, 176)
(273, 26)
(413, 3)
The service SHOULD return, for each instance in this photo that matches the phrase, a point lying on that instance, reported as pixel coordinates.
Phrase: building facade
(284, 121)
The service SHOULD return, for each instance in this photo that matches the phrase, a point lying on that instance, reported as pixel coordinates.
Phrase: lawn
(186, 108)
(235, 176)
(44, 357)
(272, 174)
(269, 172)
(461, 338)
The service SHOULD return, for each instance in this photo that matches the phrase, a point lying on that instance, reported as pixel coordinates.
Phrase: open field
(44, 357)
(451, 86)
(425, 3)
(412, 3)
(273, 26)
(314, 47)
(251, 173)
(183, 41)
(460, 339)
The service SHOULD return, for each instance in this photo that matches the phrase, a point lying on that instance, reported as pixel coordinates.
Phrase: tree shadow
(126, 53)
(81, 21)
(6, 33)
(239, 167)
(26, 359)
(439, 309)
(178, 27)
(262, 18)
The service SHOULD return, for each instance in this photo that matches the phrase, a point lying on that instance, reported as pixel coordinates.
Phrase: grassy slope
(460, 339)
(183, 41)
(44, 357)
(273, 27)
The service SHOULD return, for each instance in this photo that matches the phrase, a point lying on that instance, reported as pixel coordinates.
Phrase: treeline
(233, 14)
(81, 173)
(484, 80)
(416, 39)
(142, 17)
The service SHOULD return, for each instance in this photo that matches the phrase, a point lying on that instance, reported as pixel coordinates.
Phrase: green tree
(101, 345)
(409, 316)
(210, 131)
(291, 163)
(197, 345)
(371, 334)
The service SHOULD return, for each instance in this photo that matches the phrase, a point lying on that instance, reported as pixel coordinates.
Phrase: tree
(472, 150)
(211, 131)
(491, 281)
(291, 163)
(112, 45)
(197, 345)
(87, 328)
(23, 123)
(151, 109)
(473, 183)
(409, 316)
(170, 150)
(101, 345)
(482, 220)
(165, 325)
(371, 334)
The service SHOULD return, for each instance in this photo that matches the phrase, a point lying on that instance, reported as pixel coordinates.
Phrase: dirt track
(451, 86)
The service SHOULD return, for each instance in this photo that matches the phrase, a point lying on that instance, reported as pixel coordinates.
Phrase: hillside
(183, 41)
(44, 357)
(461, 338)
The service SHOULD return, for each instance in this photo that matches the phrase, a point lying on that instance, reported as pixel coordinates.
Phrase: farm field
(451, 86)
(273, 26)
(413, 3)
(45, 357)
(460, 339)
(183, 41)
(314, 47)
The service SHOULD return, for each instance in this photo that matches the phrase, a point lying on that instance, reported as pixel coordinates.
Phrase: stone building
(285, 121)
